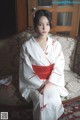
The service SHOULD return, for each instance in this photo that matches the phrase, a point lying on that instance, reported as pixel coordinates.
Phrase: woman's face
(43, 27)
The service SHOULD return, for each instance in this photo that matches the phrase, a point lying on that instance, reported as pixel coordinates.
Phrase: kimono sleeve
(57, 74)
(27, 78)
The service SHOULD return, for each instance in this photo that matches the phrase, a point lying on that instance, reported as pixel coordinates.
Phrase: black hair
(39, 14)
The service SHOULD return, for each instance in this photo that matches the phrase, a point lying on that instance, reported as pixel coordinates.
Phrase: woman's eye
(40, 24)
(48, 24)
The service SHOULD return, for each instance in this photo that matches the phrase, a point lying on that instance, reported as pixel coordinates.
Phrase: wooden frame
(55, 9)
(21, 15)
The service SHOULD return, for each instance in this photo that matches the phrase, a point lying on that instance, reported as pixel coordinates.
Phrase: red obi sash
(43, 72)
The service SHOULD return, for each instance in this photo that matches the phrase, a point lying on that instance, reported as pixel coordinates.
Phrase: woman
(41, 71)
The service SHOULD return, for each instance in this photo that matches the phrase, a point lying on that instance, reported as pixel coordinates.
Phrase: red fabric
(43, 72)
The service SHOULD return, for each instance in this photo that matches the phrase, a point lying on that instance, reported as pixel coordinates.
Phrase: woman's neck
(41, 39)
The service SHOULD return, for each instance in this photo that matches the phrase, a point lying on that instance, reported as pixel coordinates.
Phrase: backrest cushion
(77, 57)
(68, 46)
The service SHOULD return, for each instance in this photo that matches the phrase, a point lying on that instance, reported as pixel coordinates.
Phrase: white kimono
(47, 106)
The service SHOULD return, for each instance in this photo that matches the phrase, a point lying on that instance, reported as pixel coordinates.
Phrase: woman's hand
(46, 85)
(41, 88)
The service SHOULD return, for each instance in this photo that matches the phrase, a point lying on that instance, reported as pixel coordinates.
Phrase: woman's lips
(44, 32)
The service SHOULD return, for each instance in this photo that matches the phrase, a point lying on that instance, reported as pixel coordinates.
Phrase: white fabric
(32, 53)
(52, 100)
(6, 81)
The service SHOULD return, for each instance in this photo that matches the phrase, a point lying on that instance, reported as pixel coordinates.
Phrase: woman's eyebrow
(42, 22)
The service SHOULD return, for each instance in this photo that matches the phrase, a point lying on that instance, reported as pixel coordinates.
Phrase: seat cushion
(72, 83)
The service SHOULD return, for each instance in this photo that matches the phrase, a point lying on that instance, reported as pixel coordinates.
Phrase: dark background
(7, 18)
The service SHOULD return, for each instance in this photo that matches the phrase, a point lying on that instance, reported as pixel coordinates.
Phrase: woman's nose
(44, 27)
